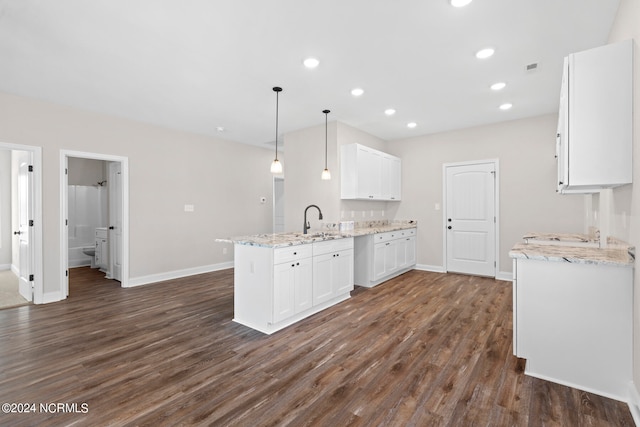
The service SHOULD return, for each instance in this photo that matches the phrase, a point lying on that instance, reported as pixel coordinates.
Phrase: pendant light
(325, 173)
(276, 166)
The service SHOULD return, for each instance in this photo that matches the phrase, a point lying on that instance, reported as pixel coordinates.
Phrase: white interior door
(470, 218)
(115, 220)
(25, 214)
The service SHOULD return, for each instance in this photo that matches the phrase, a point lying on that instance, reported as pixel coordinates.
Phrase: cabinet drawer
(281, 255)
(385, 237)
(406, 233)
(329, 246)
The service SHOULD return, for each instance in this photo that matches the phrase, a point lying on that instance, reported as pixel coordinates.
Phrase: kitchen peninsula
(573, 311)
(281, 278)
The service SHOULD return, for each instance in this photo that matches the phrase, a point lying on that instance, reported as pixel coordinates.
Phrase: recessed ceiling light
(498, 86)
(485, 53)
(357, 91)
(311, 62)
(411, 125)
(389, 111)
(459, 3)
(506, 106)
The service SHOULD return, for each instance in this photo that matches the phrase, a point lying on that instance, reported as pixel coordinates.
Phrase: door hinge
(494, 264)
(494, 219)
(66, 273)
(66, 171)
(30, 223)
(31, 278)
(66, 222)
(30, 168)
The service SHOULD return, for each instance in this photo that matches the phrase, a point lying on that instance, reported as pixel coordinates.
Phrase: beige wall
(167, 168)
(525, 150)
(625, 207)
(302, 170)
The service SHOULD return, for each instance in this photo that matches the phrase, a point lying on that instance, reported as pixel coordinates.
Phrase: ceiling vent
(530, 68)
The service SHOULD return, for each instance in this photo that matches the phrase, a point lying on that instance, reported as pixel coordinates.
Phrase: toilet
(90, 251)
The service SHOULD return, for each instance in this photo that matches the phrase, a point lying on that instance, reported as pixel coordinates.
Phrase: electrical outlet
(224, 251)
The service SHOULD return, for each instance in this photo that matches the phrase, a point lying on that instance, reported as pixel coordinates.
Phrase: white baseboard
(505, 275)
(5, 267)
(432, 268)
(176, 274)
(48, 297)
(15, 269)
(634, 403)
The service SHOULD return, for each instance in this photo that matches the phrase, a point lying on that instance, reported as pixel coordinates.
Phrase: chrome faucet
(307, 226)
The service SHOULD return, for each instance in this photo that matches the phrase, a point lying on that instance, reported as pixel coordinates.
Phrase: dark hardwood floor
(424, 349)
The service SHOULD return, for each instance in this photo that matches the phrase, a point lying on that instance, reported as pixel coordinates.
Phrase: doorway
(21, 225)
(109, 238)
(471, 217)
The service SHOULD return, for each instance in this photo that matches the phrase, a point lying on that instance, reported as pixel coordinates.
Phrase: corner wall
(168, 169)
(528, 201)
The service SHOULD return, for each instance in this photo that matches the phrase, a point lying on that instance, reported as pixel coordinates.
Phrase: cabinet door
(369, 174)
(391, 178)
(283, 291)
(390, 256)
(411, 251)
(322, 280)
(342, 272)
(378, 261)
(401, 253)
(303, 287)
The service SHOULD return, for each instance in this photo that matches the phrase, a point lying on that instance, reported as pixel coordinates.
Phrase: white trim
(634, 403)
(64, 255)
(504, 275)
(5, 267)
(37, 250)
(15, 269)
(49, 297)
(620, 398)
(177, 274)
(496, 201)
(432, 268)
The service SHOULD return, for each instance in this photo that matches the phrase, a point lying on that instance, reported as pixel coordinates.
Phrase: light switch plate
(189, 208)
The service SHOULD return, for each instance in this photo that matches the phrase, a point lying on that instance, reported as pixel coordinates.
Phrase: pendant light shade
(276, 166)
(326, 175)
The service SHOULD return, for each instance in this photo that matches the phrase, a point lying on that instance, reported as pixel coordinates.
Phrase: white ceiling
(195, 65)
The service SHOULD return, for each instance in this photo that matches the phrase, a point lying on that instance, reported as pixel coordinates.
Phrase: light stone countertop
(569, 239)
(617, 253)
(331, 232)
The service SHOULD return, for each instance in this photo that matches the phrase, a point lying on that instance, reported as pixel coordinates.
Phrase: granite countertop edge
(283, 240)
(620, 256)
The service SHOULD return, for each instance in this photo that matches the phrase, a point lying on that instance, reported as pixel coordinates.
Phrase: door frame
(35, 237)
(496, 208)
(64, 206)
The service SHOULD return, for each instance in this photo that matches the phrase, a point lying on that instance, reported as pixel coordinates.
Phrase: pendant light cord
(277, 96)
(326, 115)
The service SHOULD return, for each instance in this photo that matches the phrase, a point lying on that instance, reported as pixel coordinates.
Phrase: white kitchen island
(573, 315)
(279, 279)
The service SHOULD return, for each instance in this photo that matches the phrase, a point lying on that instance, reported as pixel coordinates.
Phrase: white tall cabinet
(594, 137)
(369, 174)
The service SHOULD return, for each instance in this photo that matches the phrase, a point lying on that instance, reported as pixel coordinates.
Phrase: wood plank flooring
(423, 349)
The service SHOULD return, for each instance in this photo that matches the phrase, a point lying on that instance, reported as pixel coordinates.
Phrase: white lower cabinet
(573, 324)
(379, 257)
(292, 288)
(332, 269)
(274, 288)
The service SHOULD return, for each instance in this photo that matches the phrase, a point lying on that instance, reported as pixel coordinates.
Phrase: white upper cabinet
(594, 138)
(369, 174)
